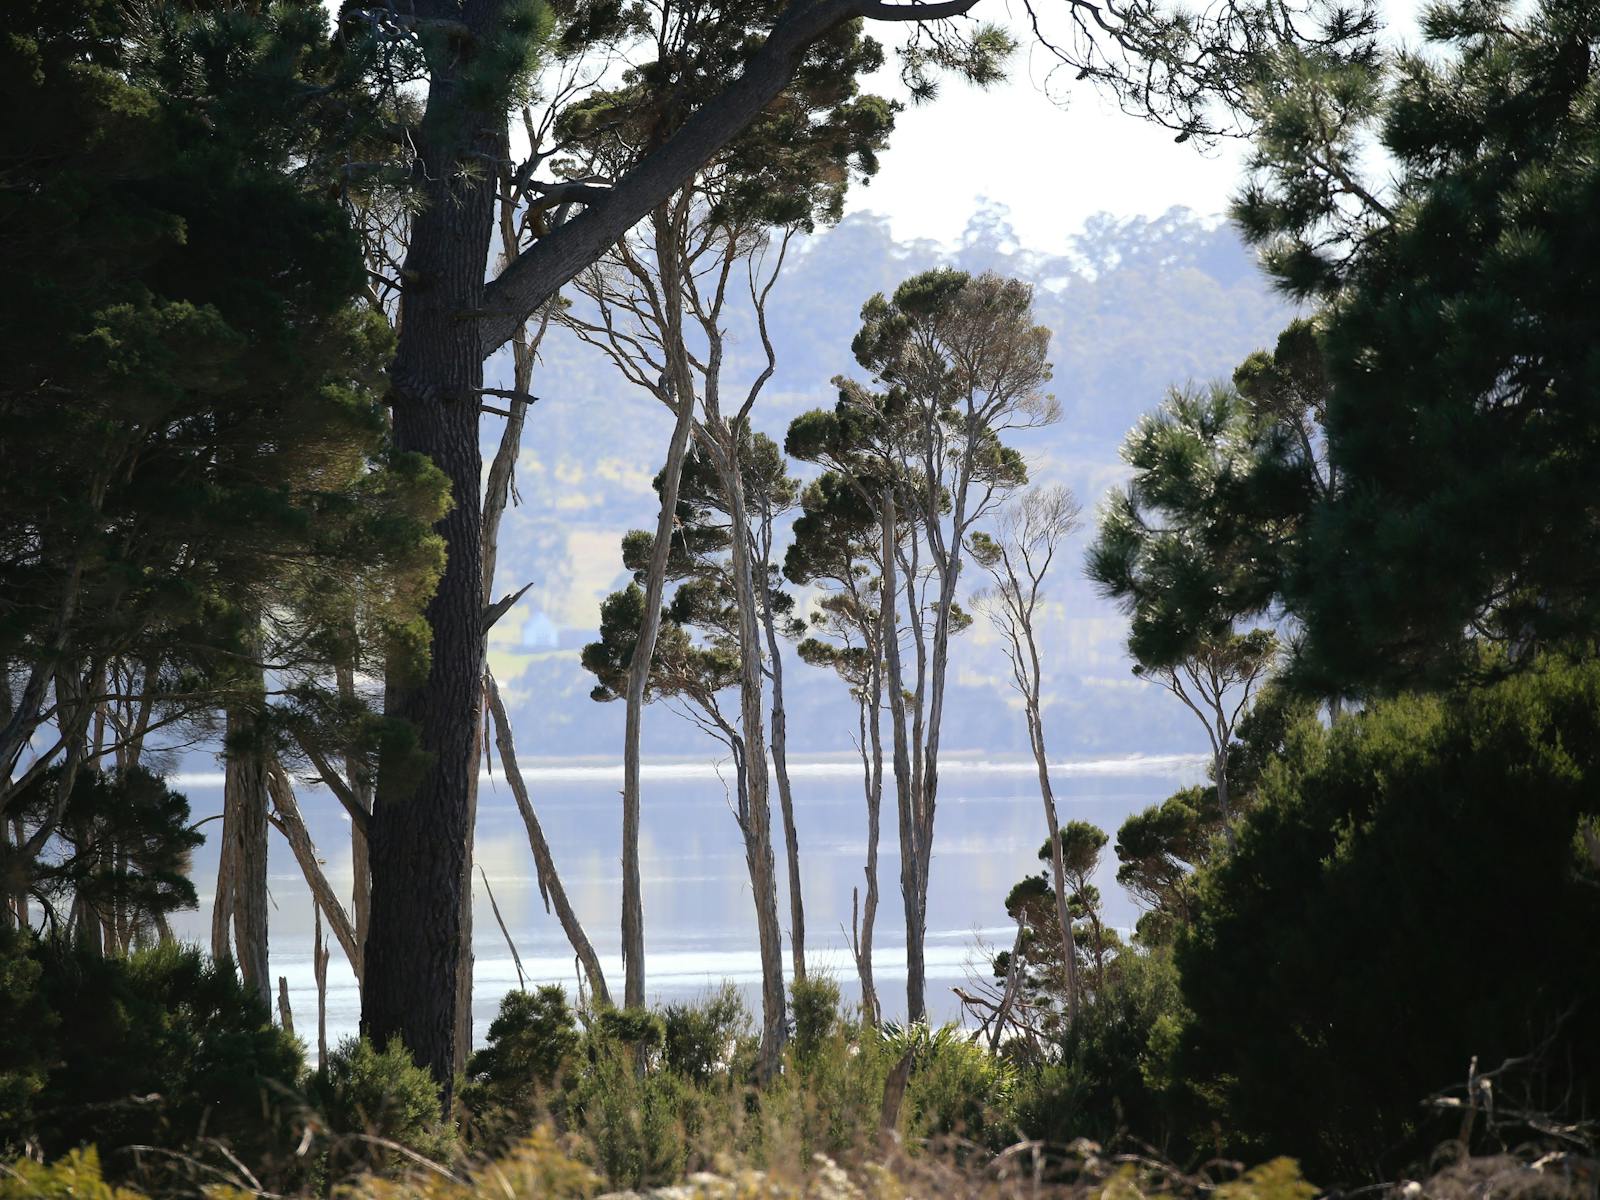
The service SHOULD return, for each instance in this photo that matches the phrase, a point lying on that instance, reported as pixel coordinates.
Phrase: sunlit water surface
(699, 920)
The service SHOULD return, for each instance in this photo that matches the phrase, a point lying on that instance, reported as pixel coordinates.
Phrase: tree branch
(541, 270)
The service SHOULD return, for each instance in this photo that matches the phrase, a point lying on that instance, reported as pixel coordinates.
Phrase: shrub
(26, 1027)
(366, 1094)
(156, 1049)
(957, 1088)
(517, 1076)
(75, 1176)
(715, 1037)
(1407, 895)
(1109, 1075)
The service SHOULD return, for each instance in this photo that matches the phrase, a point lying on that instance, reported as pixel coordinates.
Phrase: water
(699, 919)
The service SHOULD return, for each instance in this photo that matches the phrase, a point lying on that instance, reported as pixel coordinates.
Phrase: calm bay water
(699, 920)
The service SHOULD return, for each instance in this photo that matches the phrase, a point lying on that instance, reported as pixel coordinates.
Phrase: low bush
(368, 1098)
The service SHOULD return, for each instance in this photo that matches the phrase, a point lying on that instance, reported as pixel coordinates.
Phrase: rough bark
(550, 886)
(245, 802)
(421, 814)
(360, 780)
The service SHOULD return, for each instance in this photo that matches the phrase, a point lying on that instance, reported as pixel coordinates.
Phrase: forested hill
(1136, 305)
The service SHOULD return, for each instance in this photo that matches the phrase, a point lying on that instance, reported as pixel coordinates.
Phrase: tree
(1458, 333)
(118, 861)
(659, 305)
(717, 546)
(1177, 548)
(836, 542)
(1018, 557)
(961, 364)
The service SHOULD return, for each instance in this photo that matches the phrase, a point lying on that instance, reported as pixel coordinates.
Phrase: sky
(1052, 164)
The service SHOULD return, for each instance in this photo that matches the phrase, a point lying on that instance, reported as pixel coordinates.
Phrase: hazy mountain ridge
(1136, 306)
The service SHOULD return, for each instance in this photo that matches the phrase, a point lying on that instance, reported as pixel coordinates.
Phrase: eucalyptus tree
(717, 545)
(1181, 550)
(835, 543)
(1018, 556)
(961, 360)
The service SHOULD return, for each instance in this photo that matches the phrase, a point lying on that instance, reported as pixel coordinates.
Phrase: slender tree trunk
(288, 822)
(872, 754)
(550, 886)
(916, 1002)
(319, 969)
(638, 679)
(1008, 997)
(758, 817)
(1069, 943)
(355, 770)
(222, 902)
(780, 769)
(1219, 762)
(421, 819)
(681, 381)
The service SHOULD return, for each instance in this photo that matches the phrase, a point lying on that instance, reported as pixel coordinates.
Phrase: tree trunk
(1069, 942)
(1224, 806)
(780, 768)
(244, 798)
(758, 817)
(550, 886)
(355, 770)
(872, 755)
(422, 812)
(292, 826)
(681, 381)
(916, 989)
(464, 964)
(222, 902)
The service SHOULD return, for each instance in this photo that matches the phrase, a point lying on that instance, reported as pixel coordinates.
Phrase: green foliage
(192, 418)
(1158, 851)
(1460, 339)
(956, 1087)
(1406, 895)
(1176, 547)
(160, 1048)
(364, 1093)
(1107, 1075)
(792, 165)
(24, 1047)
(510, 1082)
(705, 1040)
(125, 841)
(74, 1176)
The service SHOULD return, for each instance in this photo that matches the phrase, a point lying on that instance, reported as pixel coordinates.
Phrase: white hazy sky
(1051, 165)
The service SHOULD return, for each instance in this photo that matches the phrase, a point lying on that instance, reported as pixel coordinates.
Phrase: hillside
(1135, 306)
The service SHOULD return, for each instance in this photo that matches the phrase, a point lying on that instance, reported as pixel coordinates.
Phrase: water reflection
(699, 920)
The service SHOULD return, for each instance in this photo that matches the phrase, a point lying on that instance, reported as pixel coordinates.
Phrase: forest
(340, 340)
